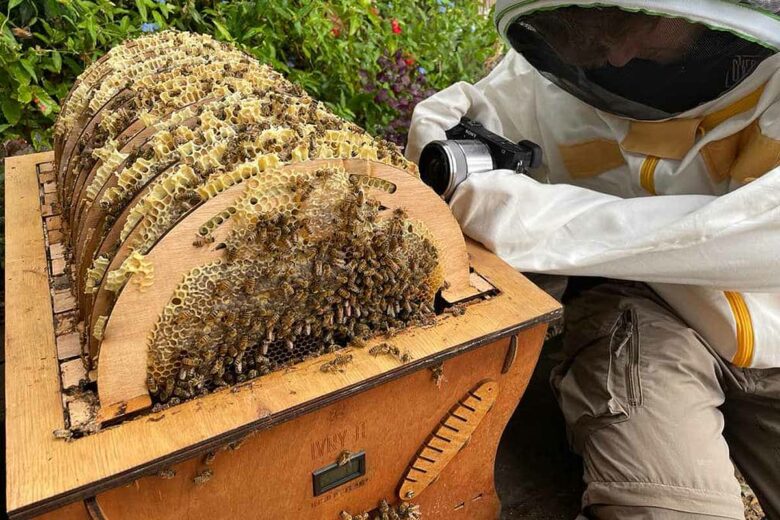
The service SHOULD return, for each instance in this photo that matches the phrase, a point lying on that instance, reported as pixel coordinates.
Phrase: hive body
(296, 262)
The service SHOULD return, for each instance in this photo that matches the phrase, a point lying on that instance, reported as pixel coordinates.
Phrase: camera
(471, 148)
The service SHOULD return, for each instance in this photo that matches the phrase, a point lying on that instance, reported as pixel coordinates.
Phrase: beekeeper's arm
(731, 242)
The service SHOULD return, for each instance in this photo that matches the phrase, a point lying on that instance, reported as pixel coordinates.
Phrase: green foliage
(331, 48)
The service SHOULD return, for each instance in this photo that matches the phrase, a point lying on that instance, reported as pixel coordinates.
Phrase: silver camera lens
(445, 164)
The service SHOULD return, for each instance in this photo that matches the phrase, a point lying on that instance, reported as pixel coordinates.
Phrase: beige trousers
(658, 416)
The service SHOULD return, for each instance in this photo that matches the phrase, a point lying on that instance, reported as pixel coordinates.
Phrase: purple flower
(382, 96)
(422, 70)
(149, 27)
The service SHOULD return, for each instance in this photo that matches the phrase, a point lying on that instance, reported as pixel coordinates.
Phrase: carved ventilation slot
(450, 437)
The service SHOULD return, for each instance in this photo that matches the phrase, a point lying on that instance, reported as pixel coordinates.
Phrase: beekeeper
(660, 124)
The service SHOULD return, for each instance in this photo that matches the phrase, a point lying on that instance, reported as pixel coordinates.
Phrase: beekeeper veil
(645, 60)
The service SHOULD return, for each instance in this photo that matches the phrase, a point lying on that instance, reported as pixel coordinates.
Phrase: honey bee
(184, 315)
(249, 284)
(181, 393)
(167, 390)
(230, 317)
(203, 477)
(166, 473)
(222, 287)
(209, 457)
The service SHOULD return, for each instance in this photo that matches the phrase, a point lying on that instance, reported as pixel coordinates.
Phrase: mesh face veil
(647, 60)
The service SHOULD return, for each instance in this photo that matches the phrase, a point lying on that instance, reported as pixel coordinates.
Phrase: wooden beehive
(270, 435)
(215, 210)
(210, 253)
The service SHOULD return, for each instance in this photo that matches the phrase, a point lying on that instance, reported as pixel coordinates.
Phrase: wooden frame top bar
(44, 472)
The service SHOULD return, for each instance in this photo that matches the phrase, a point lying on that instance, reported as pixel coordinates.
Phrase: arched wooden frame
(123, 353)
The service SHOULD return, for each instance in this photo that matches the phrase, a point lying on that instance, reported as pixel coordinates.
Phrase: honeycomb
(309, 262)
(308, 266)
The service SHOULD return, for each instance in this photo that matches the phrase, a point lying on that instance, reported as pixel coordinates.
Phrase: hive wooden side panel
(45, 473)
(75, 511)
(33, 402)
(269, 475)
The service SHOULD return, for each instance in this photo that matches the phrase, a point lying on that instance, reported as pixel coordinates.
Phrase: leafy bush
(370, 61)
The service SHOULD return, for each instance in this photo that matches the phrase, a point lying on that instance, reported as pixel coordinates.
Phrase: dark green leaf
(222, 31)
(24, 94)
(11, 110)
(56, 61)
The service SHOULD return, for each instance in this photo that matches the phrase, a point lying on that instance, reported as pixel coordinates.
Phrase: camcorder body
(471, 148)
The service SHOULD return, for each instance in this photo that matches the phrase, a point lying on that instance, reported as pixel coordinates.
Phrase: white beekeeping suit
(661, 161)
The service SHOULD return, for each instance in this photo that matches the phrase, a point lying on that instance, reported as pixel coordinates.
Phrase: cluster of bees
(309, 266)
(160, 125)
(404, 511)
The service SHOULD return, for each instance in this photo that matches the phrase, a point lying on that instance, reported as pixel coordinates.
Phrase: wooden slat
(54, 223)
(42, 469)
(68, 346)
(46, 167)
(57, 266)
(73, 372)
(63, 301)
(56, 251)
(79, 412)
(65, 323)
(55, 236)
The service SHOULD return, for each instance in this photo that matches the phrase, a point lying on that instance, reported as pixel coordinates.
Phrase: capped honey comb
(307, 260)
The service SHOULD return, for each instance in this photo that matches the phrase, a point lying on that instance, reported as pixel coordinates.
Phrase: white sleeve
(504, 102)
(730, 242)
